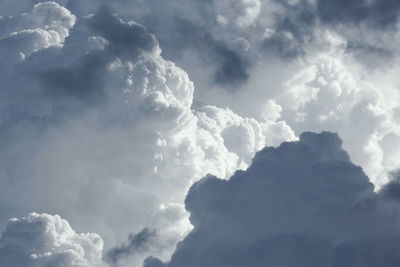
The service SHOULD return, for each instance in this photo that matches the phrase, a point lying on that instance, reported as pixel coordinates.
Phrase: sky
(150, 133)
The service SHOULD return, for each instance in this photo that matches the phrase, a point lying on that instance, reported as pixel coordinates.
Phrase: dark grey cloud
(301, 204)
(293, 27)
(83, 80)
(126, 39)
(377, 13)
(180, 26)
(76, 76)
(302, 18)
(136, 244)
(230, 67)
(391, 191)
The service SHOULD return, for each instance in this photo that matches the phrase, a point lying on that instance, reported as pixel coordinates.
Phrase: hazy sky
(188, 133)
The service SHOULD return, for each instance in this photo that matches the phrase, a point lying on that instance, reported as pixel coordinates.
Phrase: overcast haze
(199, 133)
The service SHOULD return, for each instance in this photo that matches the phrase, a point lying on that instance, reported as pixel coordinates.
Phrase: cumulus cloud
(323, 76)
(46, 240)
(189, 34)
(303, 203)
(99, 98)
(47, 24)
(105, 117)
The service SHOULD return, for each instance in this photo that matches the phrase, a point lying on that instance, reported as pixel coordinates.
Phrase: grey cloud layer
(301, 204)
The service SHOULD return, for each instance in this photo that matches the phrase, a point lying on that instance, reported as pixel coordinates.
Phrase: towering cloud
(301, 204)
(100, 129)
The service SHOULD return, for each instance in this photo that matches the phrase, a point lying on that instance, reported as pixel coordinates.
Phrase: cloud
(241, 13)
(101, 101)
(375, 13)
(111, 122)
(331, 95)
(47, 24)
(303, 203)
(85, 78)
(327, 88)
(138, 247)
(47, 240)
(230, 67)
(136, 243)
(125, 39)
(187, 27)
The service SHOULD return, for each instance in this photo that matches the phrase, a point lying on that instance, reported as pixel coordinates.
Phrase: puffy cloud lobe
(46, 240)
(329, 94)
(243, 136)
(301, 204)
(45, 25)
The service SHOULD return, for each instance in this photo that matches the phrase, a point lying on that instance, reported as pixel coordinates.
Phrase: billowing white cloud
(329, 90)
(47, 24)
(104, 117)
(45, 240)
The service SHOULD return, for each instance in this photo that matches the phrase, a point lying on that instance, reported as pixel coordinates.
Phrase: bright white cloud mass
(112, 112)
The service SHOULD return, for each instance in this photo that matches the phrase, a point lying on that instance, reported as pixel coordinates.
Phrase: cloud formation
(124, 104)
(45, 240)
(105, 117)
(303, 203)
(47, 24)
